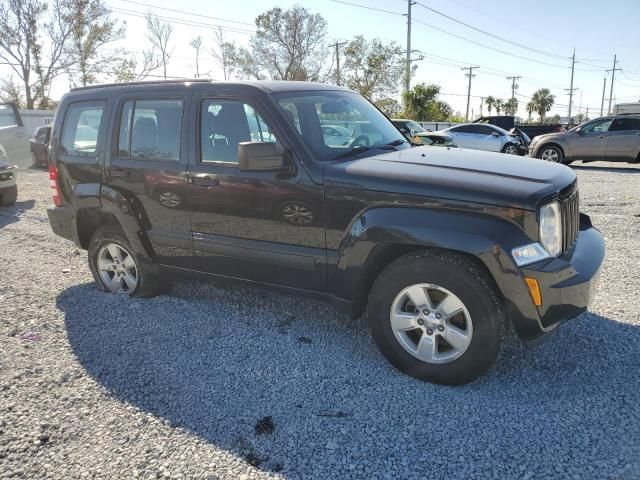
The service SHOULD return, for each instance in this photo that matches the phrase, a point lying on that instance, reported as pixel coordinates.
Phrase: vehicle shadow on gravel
(215, 361)
(13, 213)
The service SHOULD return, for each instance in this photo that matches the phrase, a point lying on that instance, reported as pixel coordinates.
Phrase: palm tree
(499, 104)
(489, 102)
(531, 107)
(511, 106)
(543, 101)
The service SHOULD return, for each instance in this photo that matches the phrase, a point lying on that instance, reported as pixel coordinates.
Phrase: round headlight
(551, 228)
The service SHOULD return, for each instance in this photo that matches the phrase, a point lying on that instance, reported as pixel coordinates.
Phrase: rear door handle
(204, 181)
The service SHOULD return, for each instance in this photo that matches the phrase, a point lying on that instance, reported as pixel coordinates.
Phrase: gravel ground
(180, 386)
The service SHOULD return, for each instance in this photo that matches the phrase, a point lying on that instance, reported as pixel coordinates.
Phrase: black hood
(455, 174)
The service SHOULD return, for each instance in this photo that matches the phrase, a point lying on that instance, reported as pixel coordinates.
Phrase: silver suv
(14, 149)
(615, 138)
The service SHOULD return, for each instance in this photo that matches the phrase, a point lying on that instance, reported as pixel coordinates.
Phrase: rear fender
(131, 217)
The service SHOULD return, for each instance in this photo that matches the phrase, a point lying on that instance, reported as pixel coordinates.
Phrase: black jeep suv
(443, 248)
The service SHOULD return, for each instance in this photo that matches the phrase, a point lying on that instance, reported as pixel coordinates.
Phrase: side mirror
(495, 134)
(413, 132)
(257, 156)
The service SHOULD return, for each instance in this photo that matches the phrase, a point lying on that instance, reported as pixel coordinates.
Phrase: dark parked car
(40, 147)
(615, 138)
(443, 248)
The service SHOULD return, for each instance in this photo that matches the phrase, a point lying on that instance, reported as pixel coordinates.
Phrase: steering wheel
(361, 141)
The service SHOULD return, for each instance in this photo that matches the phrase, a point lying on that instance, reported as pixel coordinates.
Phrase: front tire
(551, 153)
(437, 317)
(116, 268)
(510, 149)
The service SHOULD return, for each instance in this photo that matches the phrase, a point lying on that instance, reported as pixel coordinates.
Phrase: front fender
(486, 237)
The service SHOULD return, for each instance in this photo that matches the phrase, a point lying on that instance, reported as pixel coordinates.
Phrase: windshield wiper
(364, 148)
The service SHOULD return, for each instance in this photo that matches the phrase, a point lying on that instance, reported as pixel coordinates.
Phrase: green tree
(499, 105)
(490, 102)
(92, 30)
(511, 106)
(288, 45)
(421, 103)
(543, 100)
(373, 68)
(531, 107)
(390, 106)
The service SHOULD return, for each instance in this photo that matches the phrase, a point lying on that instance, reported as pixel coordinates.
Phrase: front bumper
(568, 283)
(8, 177)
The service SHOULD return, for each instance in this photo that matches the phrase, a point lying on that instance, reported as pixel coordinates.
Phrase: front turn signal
(534, 290)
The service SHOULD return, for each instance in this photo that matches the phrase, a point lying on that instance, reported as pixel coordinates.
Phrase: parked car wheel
(510, 148)
(170, 199)
(115, 266)
(551, 153)
(436, 317)
(8, 196)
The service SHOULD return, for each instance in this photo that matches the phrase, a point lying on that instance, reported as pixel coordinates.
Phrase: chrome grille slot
(570, 208)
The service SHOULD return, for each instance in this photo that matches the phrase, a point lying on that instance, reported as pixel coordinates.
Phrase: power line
(187, 13)
(368, 8)
(178, 21)
(497, 37)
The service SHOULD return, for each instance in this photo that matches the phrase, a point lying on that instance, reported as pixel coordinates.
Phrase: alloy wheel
(511, 150)
(117, 268)
(550, 155)
(431, 323)
(169, 199)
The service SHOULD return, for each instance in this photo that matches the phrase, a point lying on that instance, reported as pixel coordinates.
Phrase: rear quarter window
(81, 127)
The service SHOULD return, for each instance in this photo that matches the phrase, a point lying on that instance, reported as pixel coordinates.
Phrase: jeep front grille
(570, 209)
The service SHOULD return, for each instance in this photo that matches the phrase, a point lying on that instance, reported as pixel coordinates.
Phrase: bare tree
(225, 54)
(196, 43)
(288, 45)
(159, 34)
(93, 29)
(10, 92)
(131, 70)
(35, 46)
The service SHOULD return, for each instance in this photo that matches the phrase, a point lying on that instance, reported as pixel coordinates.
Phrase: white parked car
(14, 149)
(480, 136)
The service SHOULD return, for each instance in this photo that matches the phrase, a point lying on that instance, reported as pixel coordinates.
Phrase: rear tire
(479, 323)
(9, 196)
(132, 268)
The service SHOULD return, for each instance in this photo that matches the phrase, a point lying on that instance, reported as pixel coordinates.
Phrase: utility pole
(514, 86)
(586, 117)
(337, 45)
(470, 75)
(481, 103)
(408, 79)
(613, 76)
(604, 89)
(571, 89)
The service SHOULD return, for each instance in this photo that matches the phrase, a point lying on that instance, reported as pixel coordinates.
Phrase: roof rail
(143, 82)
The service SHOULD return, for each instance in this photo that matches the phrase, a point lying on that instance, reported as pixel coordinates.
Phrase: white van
(14, 151)
(627, 108)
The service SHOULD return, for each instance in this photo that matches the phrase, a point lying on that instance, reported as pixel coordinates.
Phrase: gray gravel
(97, 386)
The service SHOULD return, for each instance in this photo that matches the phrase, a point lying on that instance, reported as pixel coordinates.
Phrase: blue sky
(596, 29)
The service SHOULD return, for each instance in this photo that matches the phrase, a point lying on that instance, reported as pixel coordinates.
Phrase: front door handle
(204, 181)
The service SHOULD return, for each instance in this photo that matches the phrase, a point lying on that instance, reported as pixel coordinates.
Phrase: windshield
(332, 124)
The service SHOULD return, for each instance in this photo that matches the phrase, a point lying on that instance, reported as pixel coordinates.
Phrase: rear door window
(625, 124)
(81, 128)
(150, 129)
